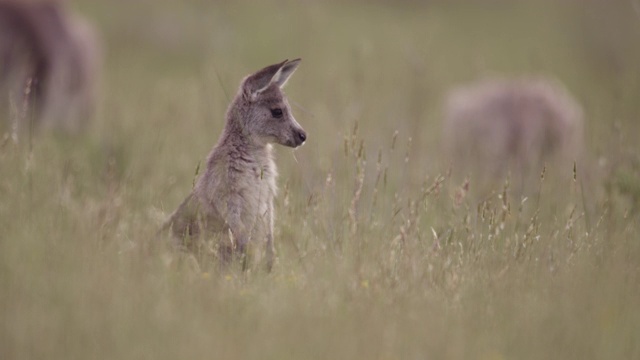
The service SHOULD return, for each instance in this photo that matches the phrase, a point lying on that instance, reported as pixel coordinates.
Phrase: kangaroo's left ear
(257, 82)
(284, 73)
(277, 74)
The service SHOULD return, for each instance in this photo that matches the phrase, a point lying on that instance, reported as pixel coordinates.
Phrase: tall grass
(380, 253)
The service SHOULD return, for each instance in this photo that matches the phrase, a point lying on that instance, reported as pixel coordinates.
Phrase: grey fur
(60, 52)
(496, 125)
(235, 193)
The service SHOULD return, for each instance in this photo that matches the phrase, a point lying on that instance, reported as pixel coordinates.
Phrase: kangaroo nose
(302, 136)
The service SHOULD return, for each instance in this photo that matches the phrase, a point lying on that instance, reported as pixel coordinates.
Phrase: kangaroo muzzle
(299, 136)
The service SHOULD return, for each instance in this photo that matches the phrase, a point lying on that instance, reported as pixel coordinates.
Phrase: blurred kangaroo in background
(494, 126)
(50, 61)
(234, 196)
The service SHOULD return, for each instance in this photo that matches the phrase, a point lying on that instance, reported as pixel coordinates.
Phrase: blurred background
(171, 68)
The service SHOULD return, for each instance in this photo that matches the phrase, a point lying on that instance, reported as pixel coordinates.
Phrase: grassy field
(381, 255)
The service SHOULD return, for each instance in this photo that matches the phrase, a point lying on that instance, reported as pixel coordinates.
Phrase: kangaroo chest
(255, 182)
(261, 184)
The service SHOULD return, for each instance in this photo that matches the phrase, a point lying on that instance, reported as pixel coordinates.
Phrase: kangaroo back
(519, 125)
(56, 51)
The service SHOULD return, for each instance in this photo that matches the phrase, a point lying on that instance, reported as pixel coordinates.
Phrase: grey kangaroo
(59, 54)
(234, 196)
(495, 125)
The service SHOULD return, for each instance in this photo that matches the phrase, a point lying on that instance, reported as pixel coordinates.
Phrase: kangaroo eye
(276, 113)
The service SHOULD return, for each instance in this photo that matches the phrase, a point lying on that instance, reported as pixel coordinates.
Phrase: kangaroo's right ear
(260, 80)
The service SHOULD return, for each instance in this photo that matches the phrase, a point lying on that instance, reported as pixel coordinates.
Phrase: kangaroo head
(265, 112)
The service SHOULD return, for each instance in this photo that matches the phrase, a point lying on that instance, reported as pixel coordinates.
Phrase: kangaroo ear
(284, 73)
(260, 80)
(273, 74)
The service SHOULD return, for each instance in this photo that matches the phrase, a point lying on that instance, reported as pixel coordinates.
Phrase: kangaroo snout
(300, 136)
(294, 137)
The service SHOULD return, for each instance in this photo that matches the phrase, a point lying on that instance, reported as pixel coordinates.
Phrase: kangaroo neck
(236, 134)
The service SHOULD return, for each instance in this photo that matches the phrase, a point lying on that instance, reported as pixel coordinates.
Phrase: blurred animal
(235, 193)
(495, 126)
(50, 60)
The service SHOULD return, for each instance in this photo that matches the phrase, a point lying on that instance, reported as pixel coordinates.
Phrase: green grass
(381, 256)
